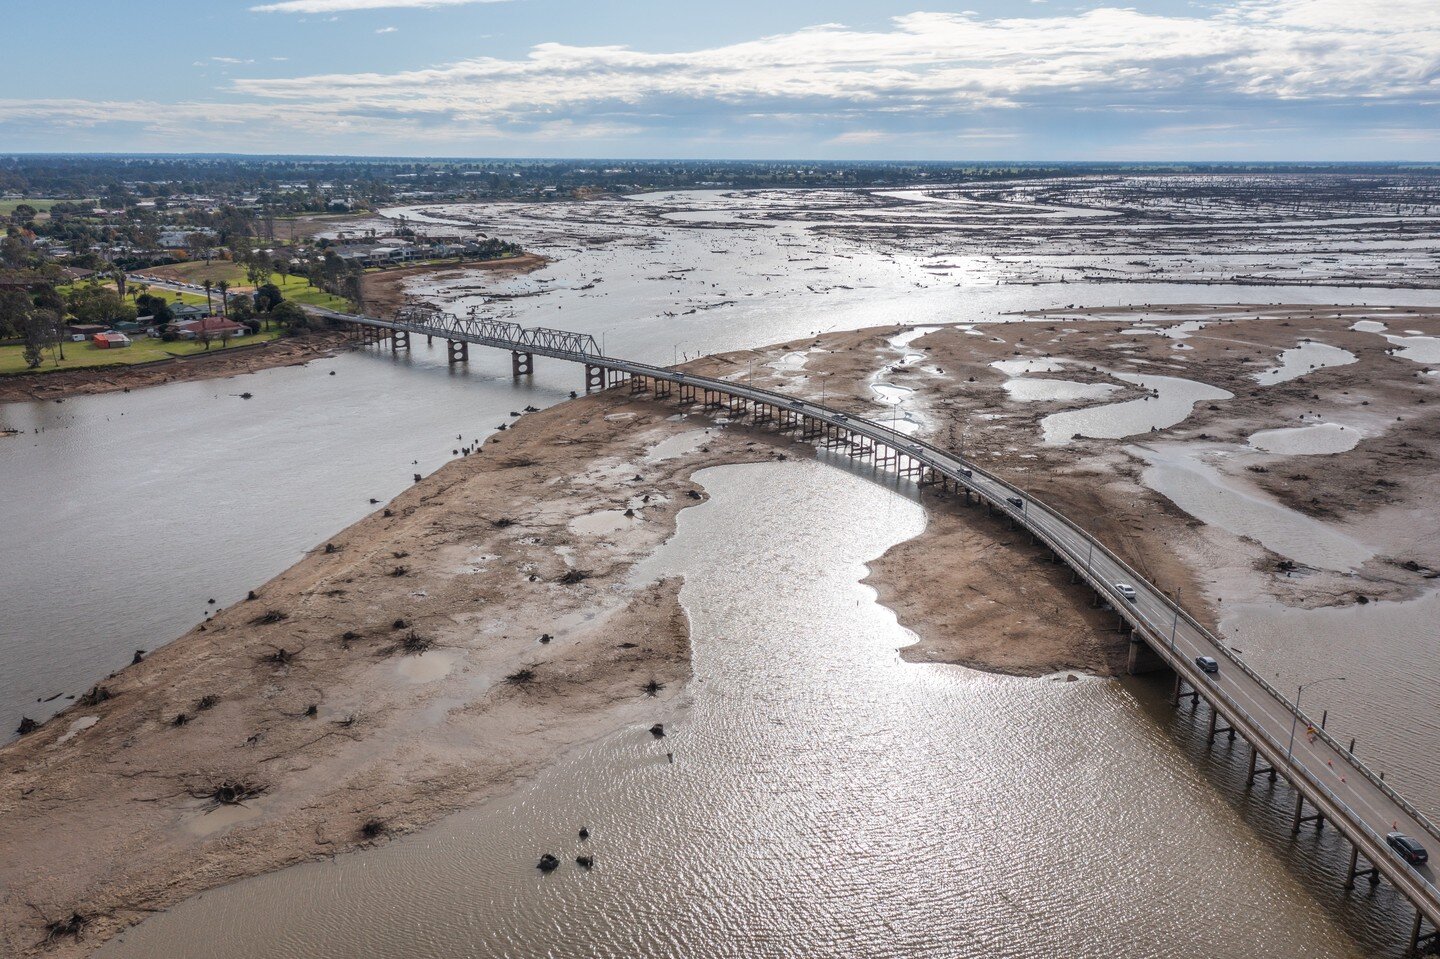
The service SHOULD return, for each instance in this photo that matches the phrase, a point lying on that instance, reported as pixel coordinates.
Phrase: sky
(745, 79)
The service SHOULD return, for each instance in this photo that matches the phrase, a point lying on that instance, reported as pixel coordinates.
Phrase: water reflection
(826, 798)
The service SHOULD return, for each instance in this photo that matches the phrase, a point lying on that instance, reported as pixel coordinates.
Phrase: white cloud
(1278, 49)
(948, 77)
(387, 30)
(342, 6)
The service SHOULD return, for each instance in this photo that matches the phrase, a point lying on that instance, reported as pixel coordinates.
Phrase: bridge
(1329, 783)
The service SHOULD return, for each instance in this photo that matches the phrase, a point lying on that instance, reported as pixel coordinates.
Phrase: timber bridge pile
(1330, 784)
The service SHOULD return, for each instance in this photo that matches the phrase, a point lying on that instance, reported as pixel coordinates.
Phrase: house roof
(210, 324)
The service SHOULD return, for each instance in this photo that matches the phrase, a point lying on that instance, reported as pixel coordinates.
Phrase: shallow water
(828, 798)
(1302, 359)
(1313, 440)
(1181, 473)
(1173, 400)
(1028, 389)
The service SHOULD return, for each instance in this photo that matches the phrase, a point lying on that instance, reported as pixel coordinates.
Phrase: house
(215, 327)
(111, 340)
(183, 312)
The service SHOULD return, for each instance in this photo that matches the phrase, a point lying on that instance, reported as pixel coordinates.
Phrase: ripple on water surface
(826, 799)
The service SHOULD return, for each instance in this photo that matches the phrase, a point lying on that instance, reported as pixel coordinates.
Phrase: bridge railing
(904, 444)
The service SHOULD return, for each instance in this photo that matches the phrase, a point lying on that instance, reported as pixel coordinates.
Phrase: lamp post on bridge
(602, 341)
(1295, 719)
(1175, 621)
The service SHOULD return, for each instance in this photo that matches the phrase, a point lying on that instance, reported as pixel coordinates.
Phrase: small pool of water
(1302, 359)
(1313, 440)
(1029, 389)
(1172, 399)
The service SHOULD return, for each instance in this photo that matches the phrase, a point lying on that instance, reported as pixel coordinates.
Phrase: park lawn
(7, 207)
(143, 350)
(198, 271)
(189, 299)
(295, 288)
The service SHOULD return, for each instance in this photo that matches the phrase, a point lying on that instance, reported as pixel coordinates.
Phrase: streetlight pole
(602, 341)
(1295, 720)
(1174, 622)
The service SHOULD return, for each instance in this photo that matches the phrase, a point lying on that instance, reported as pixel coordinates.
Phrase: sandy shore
(334, 712)
(59, 384)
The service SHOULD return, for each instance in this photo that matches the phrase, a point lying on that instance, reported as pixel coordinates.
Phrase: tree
(39, 329)
(200, 245)
(289, 314)
(224, 286)
(155, 306)
(268, 297)
(209, 306)
(15, 307)
(98, 304)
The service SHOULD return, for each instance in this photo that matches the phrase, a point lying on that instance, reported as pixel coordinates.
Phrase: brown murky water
(827, 799)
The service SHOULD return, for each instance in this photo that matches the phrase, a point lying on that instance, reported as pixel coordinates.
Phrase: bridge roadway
(1326, 776)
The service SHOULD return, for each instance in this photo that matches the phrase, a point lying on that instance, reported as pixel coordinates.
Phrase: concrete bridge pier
(594, 377)
(1142, 659)
(1216, 729)
(400, 340)
(1353, 873)
(1318, 818)
(1416, 940)
(458, 351)
(1256, 769)
(521, 364)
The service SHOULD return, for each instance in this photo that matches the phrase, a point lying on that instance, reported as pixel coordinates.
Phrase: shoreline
(332, 715)
(384, 291)
(219, 364)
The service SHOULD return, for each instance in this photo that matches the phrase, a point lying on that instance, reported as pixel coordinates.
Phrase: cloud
(343, 6)
(387, 30)
(1277, 49)
(939, 78)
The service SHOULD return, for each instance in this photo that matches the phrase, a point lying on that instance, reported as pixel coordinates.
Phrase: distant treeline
(294, 182)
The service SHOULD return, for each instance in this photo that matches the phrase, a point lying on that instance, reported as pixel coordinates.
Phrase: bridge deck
(1337, 784)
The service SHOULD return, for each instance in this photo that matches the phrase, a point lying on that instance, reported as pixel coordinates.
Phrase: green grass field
(295, 288)
(292, 287)
(143, 350)
(192, 299)
(7, 207)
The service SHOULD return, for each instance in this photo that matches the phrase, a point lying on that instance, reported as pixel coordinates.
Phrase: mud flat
(1375, 491)
(385, 290)
(395, 674)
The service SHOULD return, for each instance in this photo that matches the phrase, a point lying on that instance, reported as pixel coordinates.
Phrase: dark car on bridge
(1409, 850)
(1207, 664)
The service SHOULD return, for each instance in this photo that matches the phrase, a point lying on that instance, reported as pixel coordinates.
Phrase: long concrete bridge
(1330, 784)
